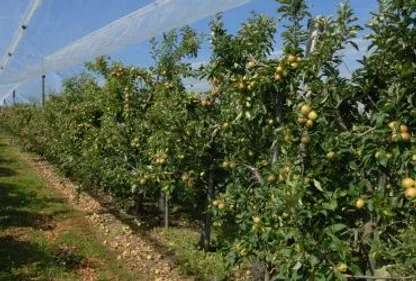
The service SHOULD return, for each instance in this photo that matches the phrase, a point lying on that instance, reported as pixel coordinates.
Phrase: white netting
(49, 36)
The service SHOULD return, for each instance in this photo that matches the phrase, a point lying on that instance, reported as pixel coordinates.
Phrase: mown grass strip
(41, 238)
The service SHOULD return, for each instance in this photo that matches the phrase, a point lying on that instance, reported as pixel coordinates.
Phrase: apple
(302, 120)
(408, 183)
(305, 109)
(405, 136)
(291, 58)
(309, 124)
(360, 203)
(306, 139)
(288, 137)
(252, 63)
(226, 164)
(410, 193)
(342, 267)
(313, 116)
(331, 155)
(393, 125)
(277, 77)
(403, 128)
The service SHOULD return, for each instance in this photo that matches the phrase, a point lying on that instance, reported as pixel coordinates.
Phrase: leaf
(332, 206)
(317, 184)
(337, 227)
(354, 45)
(353, 165)
(297, 266)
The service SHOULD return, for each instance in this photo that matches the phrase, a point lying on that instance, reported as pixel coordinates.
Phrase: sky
(235, 17)
(58, 23)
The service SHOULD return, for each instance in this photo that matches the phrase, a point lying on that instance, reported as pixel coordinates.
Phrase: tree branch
(213, 135)
(366, 132)
(256, 174)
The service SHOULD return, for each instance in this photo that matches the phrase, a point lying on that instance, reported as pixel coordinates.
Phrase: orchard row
(302, 173)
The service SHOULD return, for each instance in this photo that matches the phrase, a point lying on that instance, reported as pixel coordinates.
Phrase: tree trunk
(164, 208)
(266, 274)
(259, 270)
(166, 214)
(206, 218)
(138, 204)
(370, 226)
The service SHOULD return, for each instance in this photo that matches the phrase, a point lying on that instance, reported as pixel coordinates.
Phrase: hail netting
(49, 36)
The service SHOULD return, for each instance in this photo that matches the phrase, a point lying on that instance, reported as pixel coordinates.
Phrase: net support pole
(315, 29)
(43, 89)
(14, 97)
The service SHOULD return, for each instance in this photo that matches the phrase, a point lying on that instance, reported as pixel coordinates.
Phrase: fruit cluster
(119, 72)
(229, 164)
(307, 116)
(219, 204)
(207, 102)
(162, 159)
(400, 132)
(189, 180)
(291, 61)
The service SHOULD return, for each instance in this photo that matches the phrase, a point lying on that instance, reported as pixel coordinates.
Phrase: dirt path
(51, 232)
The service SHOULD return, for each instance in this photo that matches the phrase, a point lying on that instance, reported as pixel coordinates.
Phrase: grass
(41, 238)
(190, 260)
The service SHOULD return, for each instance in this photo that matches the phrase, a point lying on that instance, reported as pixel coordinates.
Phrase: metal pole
(43, 89)
(14, 97)
(315, 29)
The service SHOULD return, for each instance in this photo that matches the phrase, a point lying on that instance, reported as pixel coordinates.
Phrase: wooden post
(14, 97)
(43, 89)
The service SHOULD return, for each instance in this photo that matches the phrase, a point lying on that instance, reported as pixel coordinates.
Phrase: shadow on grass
(69, 258)
(14, 206)
(16, 254)
(13, 196)
(21, 258)
(7, 172)
(17, 218)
